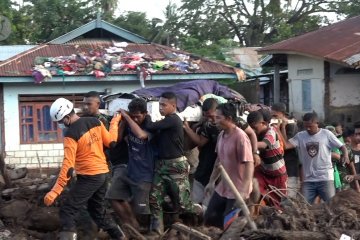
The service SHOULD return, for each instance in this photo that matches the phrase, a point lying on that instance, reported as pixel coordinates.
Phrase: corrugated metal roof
(9, 51)
(339, 42)
(21, 64)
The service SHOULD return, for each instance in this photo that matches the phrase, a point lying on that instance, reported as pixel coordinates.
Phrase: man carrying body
(206, 138)
(172, 167)
(234, 152)
(83, 151)
(134, 186)
(278, 111)
(272, 170)
(119, 158)
(90, 108)
(91, 105)
(314, 148)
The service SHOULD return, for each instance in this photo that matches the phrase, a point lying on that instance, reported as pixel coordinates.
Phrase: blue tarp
(189, 93)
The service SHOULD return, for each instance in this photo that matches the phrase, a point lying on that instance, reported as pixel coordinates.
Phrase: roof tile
(22, 64)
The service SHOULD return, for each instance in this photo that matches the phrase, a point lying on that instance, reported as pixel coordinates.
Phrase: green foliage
(348, 8)
(136, 22)
(211, 50)
(17, 20)
(107, 8)
(254, 22)
(202, 27)
(53, 18)
(285, 30)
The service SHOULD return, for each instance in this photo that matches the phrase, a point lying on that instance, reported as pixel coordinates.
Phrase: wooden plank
(191, 232)
(238, 197)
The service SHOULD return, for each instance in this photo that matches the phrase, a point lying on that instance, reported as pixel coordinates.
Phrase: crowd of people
(150, 171)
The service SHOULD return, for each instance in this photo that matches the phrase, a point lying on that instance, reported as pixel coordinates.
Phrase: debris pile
(300, 221)
(102, 60)
(23, 216)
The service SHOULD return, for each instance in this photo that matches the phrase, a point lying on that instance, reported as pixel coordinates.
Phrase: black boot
(116, 233)
(157, 225)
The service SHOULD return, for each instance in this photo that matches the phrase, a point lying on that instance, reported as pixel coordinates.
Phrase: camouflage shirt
(342, 168)
(105, 119)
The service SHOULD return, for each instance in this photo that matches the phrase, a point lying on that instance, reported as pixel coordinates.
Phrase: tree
(106, 8)
(211, 50)
(256, 22)
(348, 8)
(18, 22)
(167, 32)
(136, 22)
(53, 18)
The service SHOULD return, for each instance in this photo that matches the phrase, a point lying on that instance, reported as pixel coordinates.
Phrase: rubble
(21, 210)
(23, 216)
(17, 173)
(296, 221)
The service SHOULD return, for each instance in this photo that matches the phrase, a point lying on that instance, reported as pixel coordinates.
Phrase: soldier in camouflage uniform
(172, 175)
(172, 168)
(91, 105)
(353, 168)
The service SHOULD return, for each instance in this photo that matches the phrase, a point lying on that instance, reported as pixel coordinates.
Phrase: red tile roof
(339, 42)
(21, 64)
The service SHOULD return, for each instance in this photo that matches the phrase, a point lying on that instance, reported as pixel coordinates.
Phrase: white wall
(344, 88)
(296, 63)
(50, 155)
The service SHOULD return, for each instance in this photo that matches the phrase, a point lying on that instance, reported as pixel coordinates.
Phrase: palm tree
(106, 7)
(169, 28)
(109, 6)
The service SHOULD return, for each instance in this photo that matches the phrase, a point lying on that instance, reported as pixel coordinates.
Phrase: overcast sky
(153, 8)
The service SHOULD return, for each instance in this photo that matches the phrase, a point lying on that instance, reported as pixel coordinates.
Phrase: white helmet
(60, 108)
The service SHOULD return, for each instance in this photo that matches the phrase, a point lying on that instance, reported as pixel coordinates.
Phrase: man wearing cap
(83, 152)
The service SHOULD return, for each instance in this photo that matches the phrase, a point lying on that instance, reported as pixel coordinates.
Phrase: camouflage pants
(171, 177)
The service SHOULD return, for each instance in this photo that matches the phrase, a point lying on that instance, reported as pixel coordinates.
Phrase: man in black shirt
(278, 111)
(205, 137)
(119, 158)
(172, 168)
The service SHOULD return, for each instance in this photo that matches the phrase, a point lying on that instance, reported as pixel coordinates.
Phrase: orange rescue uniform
(83, 148)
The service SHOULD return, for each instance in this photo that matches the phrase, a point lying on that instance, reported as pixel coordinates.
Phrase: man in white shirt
(314, 148)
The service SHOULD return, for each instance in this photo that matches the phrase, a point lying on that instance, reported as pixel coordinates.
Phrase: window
(36, 125)
(305, 71)
(306, 95)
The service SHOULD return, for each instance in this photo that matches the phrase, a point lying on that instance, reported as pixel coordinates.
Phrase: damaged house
(323, 71)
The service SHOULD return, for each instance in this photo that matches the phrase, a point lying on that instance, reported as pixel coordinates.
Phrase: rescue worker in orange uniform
(83, 152)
